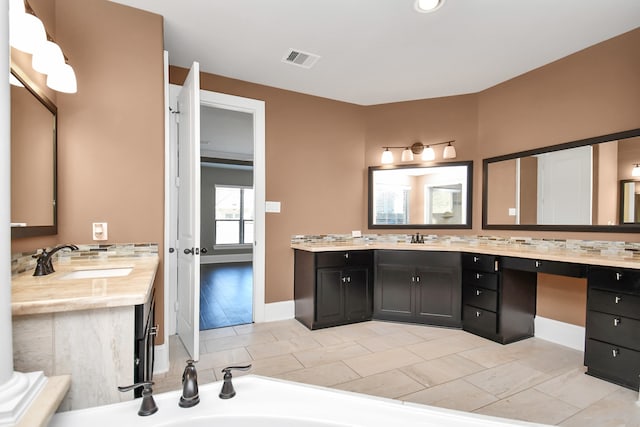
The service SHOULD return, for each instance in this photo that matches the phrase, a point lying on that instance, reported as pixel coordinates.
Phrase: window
(234, 215)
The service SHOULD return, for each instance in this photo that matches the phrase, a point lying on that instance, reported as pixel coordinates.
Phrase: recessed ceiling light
(426, 6)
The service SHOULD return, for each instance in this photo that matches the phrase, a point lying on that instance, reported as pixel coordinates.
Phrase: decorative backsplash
(595, 247)
(24, 261)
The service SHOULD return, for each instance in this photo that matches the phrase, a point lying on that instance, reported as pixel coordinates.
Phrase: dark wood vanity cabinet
(418, 287)
(498, 304)
(333, 288)
(612, 347)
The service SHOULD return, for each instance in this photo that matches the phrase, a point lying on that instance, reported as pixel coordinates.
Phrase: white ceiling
(381, 51)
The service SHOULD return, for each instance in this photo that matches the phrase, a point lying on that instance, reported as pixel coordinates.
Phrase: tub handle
(228, 391)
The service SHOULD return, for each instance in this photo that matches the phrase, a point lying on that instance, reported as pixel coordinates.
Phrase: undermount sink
(98, 273)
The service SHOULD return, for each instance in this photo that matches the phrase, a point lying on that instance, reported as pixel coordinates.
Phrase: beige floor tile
(432, 332)
(323, 375)
(489, 356)
(439, 347)
(444, 369)
(382, 361)
(355, 331)
(211, 334)
(324, 355)
(458, 394)
(530, 405)
(236, 341)
(389, 341)
(234, 356)
(390, 384)
(577, 388)
(619, 409)
(385, 328)
(328, 337)
(277, 348)
(273, 365)
(506, 380)
(555, 359)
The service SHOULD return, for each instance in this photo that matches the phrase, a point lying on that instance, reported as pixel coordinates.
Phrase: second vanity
(487, 290)
(93, 318)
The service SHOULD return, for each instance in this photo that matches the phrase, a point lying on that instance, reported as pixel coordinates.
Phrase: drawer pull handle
(413, 279)
(476, 259)
(618, 276)
(346, 255)
(417, 279)
(478, 292)
(618, 299)
(616, 321)
(615, 352)
(478, 313)
(478, 276)
(537, 264)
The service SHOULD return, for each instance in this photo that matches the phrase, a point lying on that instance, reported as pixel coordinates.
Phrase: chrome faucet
(148, 405)
(44, 265)
(190, 396)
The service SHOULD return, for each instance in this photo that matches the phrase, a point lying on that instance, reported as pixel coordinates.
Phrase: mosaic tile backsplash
(595, 247)
(24, 261)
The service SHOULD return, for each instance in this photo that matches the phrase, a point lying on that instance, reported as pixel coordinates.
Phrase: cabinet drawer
(614, 329)
(543, 266)
(479, 319)
(614, 303)
(480, 297)
(615, 279)
(479, 262)
(476, 278)
(343, 258)
(618, 364)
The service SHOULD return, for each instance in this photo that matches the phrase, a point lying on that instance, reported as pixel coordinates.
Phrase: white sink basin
(98, 273)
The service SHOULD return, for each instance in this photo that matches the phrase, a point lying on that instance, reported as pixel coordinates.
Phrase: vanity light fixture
(418, 148)
(636, 170)
(27, 33)
(426, 6)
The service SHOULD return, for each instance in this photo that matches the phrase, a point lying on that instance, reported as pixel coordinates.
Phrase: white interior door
(188, 247)
(565, 187)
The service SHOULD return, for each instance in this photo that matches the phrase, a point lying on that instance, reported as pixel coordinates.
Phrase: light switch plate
(512, 211)
(100, 231)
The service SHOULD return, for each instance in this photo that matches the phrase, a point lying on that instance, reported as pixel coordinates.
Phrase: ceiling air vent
(299, 58)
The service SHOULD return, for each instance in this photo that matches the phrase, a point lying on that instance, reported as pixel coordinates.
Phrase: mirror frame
(40, 230)
(618, 228)
(467, 225)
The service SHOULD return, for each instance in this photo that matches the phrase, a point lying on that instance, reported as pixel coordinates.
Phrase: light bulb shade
(449, 152)
(636, 170)
(26, 32)
(63, 79)
(387, 157)
(47, 57)
(407, 155)
(428, 154)
(425, 6)
(16, 6)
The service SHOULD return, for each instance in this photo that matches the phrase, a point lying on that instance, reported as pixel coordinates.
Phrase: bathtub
(268, 402)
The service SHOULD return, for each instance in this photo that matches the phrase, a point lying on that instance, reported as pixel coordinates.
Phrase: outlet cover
(100, 231)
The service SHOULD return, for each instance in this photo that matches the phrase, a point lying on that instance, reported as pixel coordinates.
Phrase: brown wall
(111, 132)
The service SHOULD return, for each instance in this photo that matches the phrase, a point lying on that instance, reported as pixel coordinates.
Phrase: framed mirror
(574, 186)
(33, 159)
(414, 196)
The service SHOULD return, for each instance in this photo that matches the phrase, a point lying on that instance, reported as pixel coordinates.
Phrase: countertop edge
(47, 402)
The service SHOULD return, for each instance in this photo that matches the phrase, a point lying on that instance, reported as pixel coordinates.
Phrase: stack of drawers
(612, 348)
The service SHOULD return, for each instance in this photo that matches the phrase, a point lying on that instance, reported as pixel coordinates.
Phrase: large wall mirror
(434, 196)
(33, 159)
(576, 186)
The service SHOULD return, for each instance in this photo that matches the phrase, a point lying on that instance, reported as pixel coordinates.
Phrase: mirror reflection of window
(392, 204)
(445, 205)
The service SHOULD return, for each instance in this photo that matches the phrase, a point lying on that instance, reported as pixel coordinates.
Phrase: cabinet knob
(476, 259)
(616, 321)
(618, 299)
(478, 313)
(478, 276)
(538, 264)
(618, 276)
(417, 279)
(346, 255)
(478, 292)
(615, 352)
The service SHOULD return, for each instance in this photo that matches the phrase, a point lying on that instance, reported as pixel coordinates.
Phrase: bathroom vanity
(490, 291)
(89, 320)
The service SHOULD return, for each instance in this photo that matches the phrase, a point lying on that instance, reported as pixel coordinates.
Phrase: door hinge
(176, 114)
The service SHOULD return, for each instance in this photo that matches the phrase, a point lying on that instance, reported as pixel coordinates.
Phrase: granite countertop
(53, 293)
(543, 254)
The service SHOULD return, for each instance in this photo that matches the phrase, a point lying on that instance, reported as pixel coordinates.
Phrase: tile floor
(226, 294)
(531, 380)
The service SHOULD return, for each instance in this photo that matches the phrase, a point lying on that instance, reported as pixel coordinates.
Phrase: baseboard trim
(161, 359)
(226, 258)
(282, 310)
(565, 334)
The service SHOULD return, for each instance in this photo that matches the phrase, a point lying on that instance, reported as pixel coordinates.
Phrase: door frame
(230, 102)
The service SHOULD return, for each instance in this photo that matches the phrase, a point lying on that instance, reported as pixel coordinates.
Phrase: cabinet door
(329, 296)
(438, 295)
(357, 294)
(392, 295)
